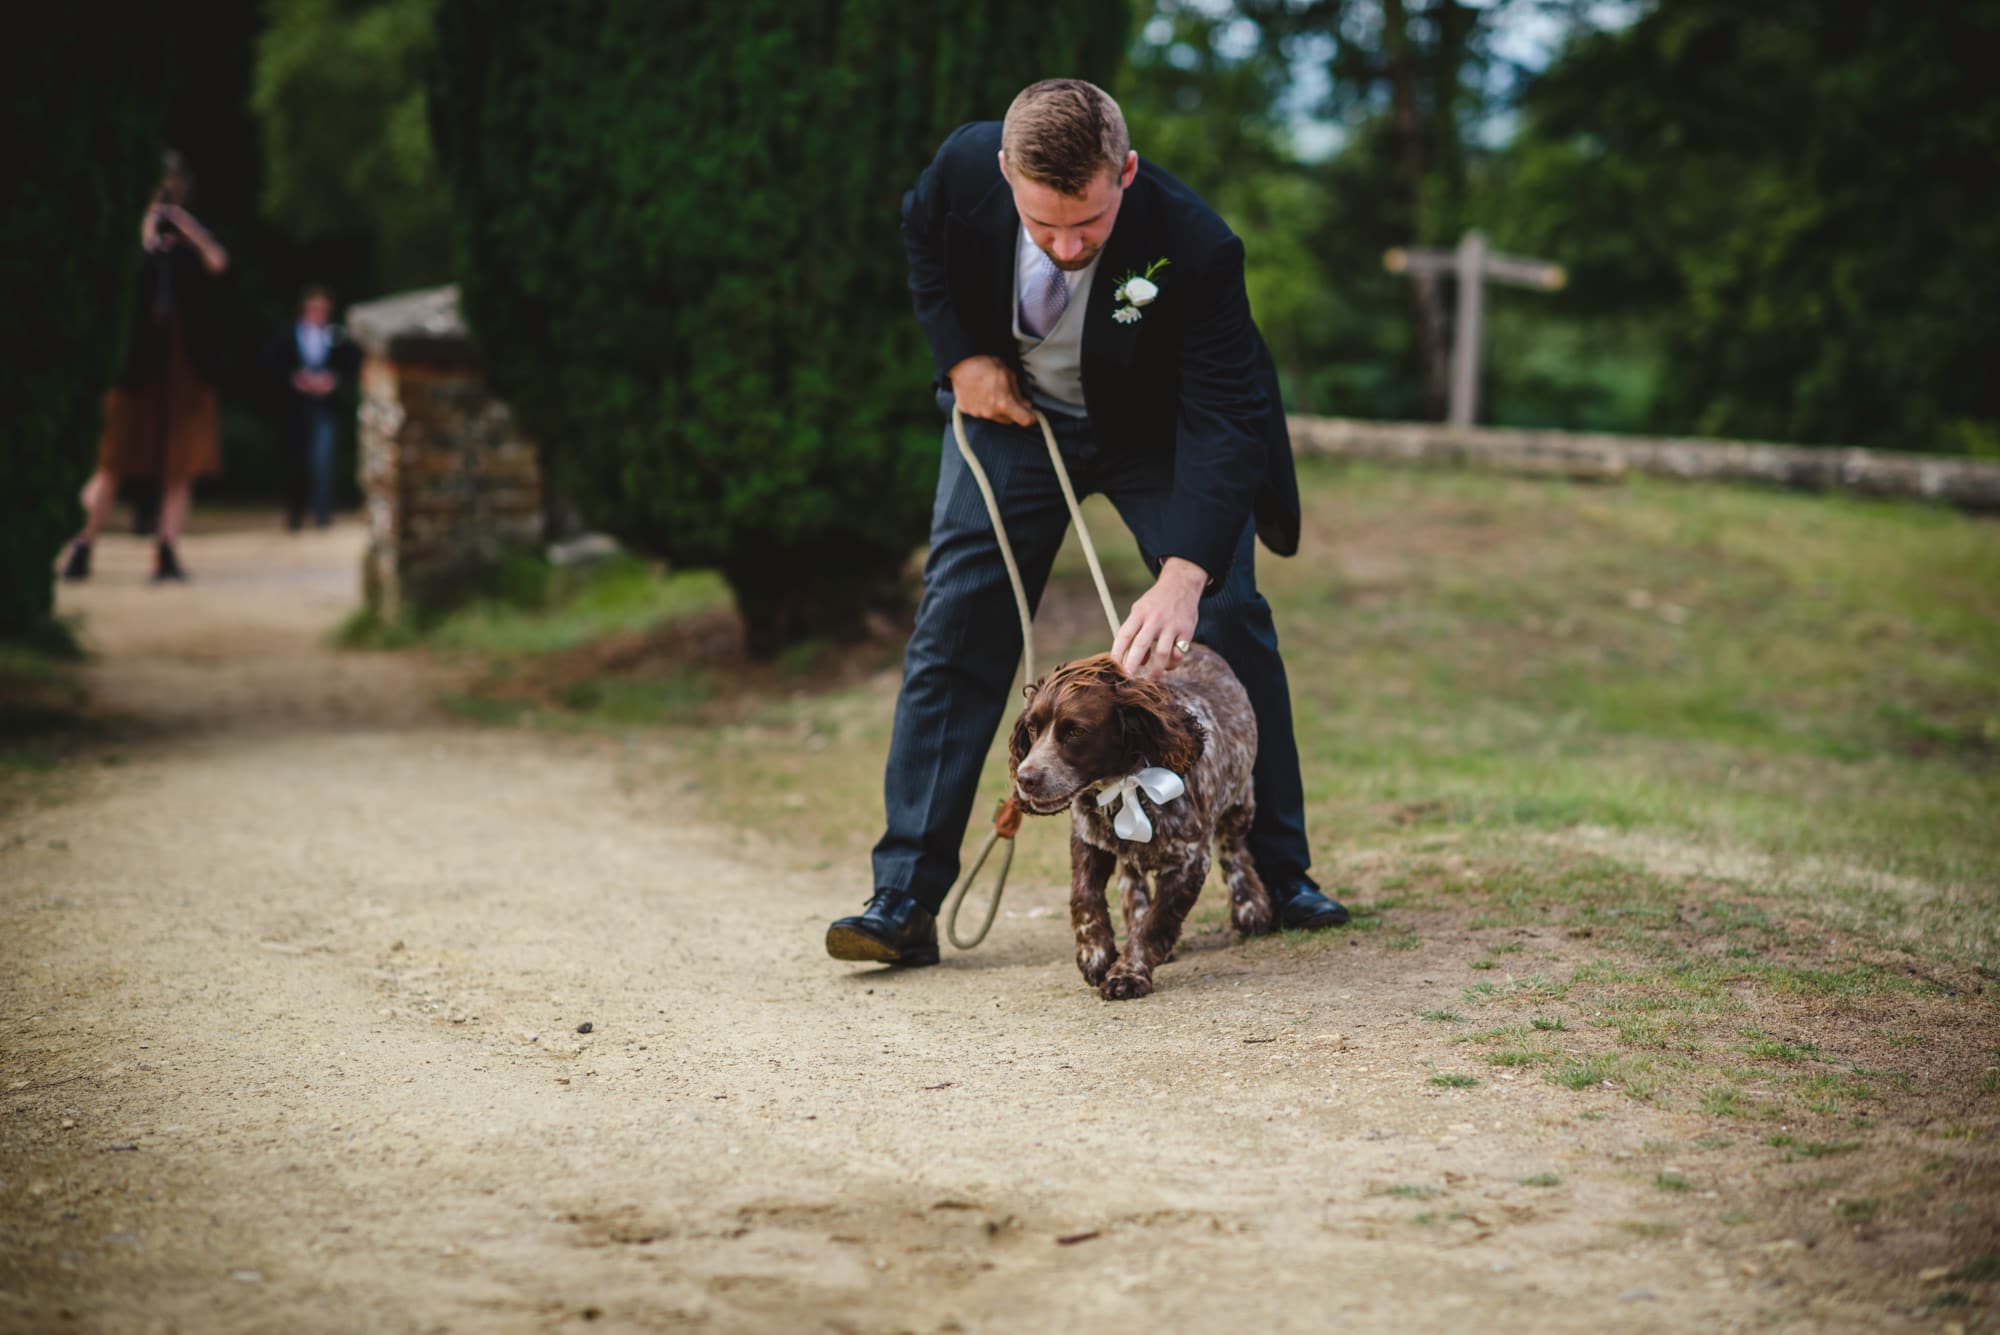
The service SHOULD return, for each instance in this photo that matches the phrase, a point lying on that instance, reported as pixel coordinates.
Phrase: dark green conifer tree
(677, 234)
(87, 103)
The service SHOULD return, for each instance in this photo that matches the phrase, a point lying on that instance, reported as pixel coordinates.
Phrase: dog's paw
(1124, 985)
(1095, 962)
(1254, 917)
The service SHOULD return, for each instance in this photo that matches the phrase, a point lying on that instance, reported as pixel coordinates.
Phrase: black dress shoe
(1308, 910)
(893, 929)
(78, 565)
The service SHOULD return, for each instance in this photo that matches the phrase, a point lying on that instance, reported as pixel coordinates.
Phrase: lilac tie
(1044, 296)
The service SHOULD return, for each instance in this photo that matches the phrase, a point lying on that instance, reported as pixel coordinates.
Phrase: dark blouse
(173, 285)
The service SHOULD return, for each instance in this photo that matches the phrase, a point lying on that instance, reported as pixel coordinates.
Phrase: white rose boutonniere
(1136, 290)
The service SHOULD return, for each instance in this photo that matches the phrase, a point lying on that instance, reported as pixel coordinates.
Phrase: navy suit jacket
(1191, 378)
(282, 357)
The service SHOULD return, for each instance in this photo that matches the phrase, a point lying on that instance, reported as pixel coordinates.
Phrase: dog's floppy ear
(1018, 740)
(1158, 729)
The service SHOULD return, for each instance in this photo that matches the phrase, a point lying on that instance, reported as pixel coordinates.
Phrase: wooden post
(1467, 337)
(1473, 265)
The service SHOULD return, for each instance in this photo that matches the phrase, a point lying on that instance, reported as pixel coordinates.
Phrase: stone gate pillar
(450, 484)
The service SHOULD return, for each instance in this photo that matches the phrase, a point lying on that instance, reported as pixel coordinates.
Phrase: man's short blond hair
(1062, 133)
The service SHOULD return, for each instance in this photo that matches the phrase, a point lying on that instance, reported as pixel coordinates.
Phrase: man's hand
(1149, 641)
(985, 387)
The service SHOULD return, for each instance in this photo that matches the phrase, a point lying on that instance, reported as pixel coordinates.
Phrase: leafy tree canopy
(1801, 196)
(340, 102)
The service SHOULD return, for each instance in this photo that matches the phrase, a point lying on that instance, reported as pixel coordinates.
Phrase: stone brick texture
(451, 484)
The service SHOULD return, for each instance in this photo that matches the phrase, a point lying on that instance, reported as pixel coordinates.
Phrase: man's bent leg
(296, 444)
(323, 435)
(1235, 621)
(960, 663)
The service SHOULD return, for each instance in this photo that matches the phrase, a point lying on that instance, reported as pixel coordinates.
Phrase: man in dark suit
(1050, 267)
(310, 362)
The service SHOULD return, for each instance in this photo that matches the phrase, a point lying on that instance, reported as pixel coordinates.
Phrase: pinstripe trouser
(960, 663)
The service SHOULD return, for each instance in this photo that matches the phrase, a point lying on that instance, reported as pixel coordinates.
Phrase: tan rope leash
(1007, 820)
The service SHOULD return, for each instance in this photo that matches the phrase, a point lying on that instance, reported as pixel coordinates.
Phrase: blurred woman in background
(160, 418)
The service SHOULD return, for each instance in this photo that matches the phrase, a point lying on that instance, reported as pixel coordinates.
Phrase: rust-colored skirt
(165, 426)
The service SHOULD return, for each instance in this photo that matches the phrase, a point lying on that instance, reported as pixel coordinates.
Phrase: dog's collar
(1131, 821)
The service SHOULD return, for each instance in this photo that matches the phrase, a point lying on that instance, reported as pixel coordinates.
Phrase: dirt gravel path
(294, 974)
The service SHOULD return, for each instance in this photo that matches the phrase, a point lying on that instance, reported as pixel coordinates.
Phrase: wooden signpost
(1473, 265)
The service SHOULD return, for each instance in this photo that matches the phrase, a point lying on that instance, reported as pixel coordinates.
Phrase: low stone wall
(1969, 484)
(450, 483)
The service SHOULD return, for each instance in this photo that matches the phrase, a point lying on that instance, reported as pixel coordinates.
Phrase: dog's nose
(1028, 780)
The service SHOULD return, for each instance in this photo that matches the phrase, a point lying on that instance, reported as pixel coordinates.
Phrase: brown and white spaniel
(1093, 739)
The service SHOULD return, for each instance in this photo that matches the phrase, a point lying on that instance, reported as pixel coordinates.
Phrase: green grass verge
(1655, 679)
(1732, 744)
(535, 608)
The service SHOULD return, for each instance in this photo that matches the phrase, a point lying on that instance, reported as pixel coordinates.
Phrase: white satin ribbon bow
(1131, 822)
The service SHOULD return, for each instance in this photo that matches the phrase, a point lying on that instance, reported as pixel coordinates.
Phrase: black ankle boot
(166, 565)
(893, 929)
(78, 565)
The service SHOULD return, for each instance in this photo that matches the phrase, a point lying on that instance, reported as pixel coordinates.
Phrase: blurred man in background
(313, 360)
